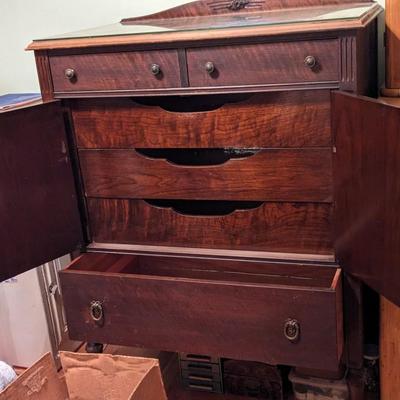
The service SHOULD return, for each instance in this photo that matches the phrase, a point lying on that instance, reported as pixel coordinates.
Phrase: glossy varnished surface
(193, 312)
(37, 190)
(276, 227)
(367, 168)
(251, 65)
(267, 175)
(280, 119)
(270, 63)
(392, 45)
(116, 71)
(193, 309)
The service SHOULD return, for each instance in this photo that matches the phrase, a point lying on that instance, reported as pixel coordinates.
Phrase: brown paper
(89, 377)
(95, 377)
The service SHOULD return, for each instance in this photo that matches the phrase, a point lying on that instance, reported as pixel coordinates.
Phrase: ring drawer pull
(155, 69)
(292, 330)
(70, 74)
(97, 312)
(310, 62)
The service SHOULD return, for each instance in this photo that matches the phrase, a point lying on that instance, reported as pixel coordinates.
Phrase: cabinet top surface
(202, 20)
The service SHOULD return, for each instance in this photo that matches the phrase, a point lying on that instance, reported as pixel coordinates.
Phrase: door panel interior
(367, 180)
(38, 205)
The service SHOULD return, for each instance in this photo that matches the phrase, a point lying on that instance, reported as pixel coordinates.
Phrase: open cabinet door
(367, 187)
(38, 206)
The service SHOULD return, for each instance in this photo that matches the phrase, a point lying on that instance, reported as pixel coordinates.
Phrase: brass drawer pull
(291, 330)
(310, 62)
(70, 74)
(97, 312)
(155, 69)
(210, 67)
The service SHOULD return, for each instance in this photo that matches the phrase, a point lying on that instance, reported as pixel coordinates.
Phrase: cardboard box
(89, 377)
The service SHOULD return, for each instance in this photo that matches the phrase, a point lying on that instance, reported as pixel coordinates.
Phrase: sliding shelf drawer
(271, 312)
(303, 228)
(275, 119)
(209, 174)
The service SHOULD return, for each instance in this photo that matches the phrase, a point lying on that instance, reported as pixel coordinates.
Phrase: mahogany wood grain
(366, 61)
(280, 119)
(392, 45)
(205, 302)
(276, 227)
(367, 190)
(216, 269)
(389, 349)
(353, 318)
(38, 207)
(44, 75)
(195, 91)
(269, 175)
(116, 71)
(220, 318)
(264, 63)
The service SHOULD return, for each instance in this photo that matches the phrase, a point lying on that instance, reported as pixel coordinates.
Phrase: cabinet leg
(92, 347)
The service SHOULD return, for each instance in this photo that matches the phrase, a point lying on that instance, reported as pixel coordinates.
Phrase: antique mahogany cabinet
(220, 169)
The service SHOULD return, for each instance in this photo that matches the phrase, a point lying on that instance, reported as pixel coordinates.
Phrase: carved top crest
(238, 4)
(202, 8)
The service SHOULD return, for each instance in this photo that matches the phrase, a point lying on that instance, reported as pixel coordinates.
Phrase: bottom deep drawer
(278, 313)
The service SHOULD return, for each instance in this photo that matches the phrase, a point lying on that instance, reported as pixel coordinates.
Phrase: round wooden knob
(210, 67)
(70, 73)
(291, 330)
(310, 61)
(155, 69)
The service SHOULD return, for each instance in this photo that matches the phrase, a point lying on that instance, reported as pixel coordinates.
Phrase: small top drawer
(116, 71)
(267, 63)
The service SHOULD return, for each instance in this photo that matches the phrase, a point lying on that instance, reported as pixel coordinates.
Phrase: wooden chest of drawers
(216, 179)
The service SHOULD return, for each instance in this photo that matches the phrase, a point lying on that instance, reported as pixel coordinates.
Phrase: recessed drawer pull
(292, 330)
(70, 74)
(205, 208)
(97, 312)
(155, 69)
(198, 157)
